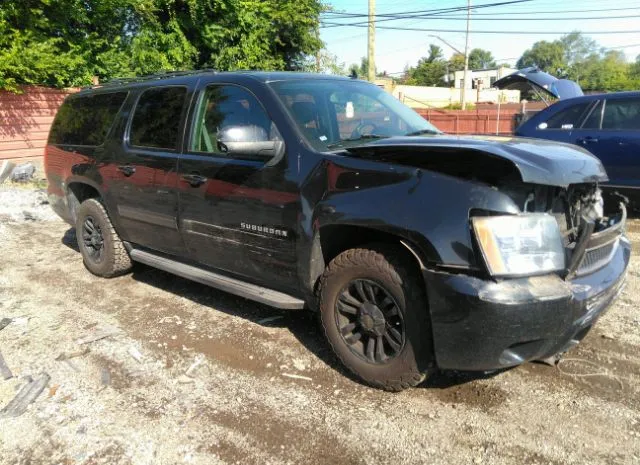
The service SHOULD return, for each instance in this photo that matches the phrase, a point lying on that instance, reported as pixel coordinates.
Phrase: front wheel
(374, 314)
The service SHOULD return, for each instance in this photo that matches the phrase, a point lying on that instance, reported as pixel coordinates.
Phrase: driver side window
(229, 114)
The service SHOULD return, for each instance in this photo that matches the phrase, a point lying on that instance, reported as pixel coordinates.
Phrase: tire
(103, 253)
(386, 275)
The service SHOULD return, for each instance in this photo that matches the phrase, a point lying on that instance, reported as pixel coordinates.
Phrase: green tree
(324, 62)
(481, 59)
(610, 72)
(435, 53)
(579, 58)
(456, 62)
(430, 70)
(548, 56)
(66, 42)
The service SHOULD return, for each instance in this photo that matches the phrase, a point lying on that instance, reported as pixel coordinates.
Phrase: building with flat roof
(482, 78)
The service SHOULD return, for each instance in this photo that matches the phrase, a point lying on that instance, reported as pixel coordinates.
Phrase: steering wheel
(365, 127)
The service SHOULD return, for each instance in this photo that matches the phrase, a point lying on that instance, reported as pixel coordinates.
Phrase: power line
(475, 14)
(558, 11)
(502, 18)
(421, 13)
(399, 28)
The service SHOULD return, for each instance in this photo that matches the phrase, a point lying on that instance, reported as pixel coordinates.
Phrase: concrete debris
(99, 333)
(135, 353)
(71, 365)
(5, 372)
(191, 370)
(105, 377)
(270, 319)
(552, 360)
(289, 375)
(5, 170)
(184, 379)
(5, 322)
(23, 173)
(67, 355)
(28, 394)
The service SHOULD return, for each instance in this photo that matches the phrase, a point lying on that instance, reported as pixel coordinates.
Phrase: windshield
(334, 114)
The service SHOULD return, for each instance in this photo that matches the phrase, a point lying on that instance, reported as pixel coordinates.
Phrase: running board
(224, 283)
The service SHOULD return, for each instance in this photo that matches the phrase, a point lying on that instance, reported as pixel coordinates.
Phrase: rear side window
(86, 120)
(621, 114)
(156, 120)
(569, 118)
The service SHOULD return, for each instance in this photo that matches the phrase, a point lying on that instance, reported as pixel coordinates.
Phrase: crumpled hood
(537, 161)
(527, 78)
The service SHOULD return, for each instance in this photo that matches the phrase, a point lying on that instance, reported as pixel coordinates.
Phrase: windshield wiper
(422, 131)
(355, 139)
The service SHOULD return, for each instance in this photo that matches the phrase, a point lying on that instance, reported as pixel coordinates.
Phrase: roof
(171, 77)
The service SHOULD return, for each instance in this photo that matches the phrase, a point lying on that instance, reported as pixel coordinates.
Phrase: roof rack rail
(149, 77)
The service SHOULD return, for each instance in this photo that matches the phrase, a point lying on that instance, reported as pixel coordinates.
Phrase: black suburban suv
(418, 250)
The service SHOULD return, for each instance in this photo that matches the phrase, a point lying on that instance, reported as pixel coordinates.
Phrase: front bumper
(486, 325)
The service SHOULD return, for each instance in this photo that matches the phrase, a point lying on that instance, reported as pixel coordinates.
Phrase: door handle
(587, 140)
(194, 180)
(127, 170)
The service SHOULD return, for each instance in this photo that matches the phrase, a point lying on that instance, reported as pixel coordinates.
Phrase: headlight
(520, 245)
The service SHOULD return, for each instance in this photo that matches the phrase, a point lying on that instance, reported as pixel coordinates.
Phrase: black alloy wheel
(93, 239)
(370, 321)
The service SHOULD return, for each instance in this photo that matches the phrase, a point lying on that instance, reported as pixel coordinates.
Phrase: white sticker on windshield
(349, 111)
(323, 138)
(567, 126)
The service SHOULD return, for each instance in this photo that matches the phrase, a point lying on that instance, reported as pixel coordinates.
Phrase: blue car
(608, 125)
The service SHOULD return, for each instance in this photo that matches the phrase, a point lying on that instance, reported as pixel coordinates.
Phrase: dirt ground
(198, 376)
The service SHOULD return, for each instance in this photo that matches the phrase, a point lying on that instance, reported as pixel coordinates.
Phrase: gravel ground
(193, 375)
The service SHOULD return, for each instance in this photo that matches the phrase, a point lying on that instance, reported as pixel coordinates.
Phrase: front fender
(428, 210)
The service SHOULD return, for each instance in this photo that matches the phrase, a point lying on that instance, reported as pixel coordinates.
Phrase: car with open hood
(607, 125)
(419, 251)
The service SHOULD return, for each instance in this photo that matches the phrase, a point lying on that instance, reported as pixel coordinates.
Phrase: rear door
(617, 141)
(145, 191)
(237, 211)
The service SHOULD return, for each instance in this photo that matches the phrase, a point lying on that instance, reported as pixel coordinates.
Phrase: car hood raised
(537, 161)
(526, 78)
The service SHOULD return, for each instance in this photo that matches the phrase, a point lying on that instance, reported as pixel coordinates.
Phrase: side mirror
(251, 142)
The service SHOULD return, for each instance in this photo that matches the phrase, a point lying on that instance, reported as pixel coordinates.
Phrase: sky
(396, 49)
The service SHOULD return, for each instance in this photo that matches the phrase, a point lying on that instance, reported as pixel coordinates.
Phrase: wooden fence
(492, 121)
(25, 120)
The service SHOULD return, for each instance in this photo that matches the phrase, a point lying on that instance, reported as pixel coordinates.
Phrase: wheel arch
(78, 190)
(333, 239)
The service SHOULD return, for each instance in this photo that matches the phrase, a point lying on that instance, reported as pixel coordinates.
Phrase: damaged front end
(590, 230)
(543, 254)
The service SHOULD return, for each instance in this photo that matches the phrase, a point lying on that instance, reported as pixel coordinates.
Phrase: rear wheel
(374, 314)
(103, 253)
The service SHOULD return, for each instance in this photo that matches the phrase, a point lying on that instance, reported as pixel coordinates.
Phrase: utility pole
(466, 58)
(371, 46)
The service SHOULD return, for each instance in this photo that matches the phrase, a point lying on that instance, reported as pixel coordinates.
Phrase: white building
(483, 78)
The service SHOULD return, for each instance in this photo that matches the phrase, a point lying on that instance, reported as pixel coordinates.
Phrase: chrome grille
(597, 258)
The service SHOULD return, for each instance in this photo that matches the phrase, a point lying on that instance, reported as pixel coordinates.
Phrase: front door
(237, 211)
(146, 179)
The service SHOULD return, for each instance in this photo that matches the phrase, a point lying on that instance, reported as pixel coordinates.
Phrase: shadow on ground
(302, 324)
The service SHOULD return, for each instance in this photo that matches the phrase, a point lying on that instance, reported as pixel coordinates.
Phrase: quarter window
(621, 114)
(86, 120)
(156, 120)
(233, 114)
